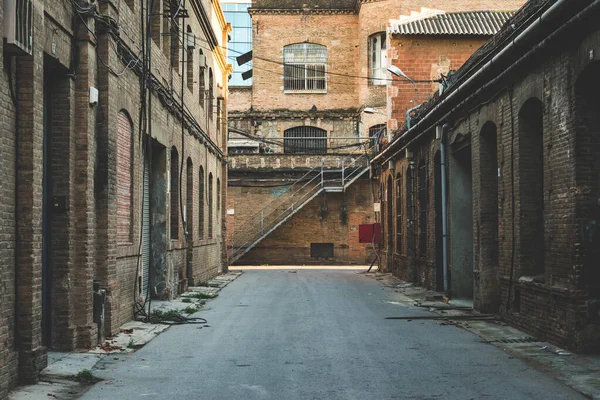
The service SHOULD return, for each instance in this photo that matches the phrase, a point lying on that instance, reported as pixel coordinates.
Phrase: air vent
(18, 26)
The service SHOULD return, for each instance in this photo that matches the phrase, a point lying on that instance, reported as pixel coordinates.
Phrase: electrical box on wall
(369, 233)
(93, 96)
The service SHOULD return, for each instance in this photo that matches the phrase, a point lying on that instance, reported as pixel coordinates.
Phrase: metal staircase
(316, 181)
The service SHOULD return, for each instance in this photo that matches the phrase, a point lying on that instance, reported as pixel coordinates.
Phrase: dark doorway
(587, 147)
(145, 272)
(489, 291)
(49, 78)
(389, 211)
(439, 250)
(189, 222)
(531, 188)
(158, 224)
(461, 223)
(410, 211)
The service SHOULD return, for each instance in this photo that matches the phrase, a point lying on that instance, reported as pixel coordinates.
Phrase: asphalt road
(317, 335)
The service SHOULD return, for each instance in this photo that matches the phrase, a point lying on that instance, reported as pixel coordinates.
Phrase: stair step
(334, 189)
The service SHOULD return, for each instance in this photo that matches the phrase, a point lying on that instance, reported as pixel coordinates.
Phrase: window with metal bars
(305, 68)
(305, 140)
(376, 132)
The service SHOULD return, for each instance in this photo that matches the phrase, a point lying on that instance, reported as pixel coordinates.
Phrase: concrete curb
(57, 380)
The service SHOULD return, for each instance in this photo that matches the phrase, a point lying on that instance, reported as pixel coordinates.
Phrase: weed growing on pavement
(190, 310)
(169, 315)
(131, 344)
(85, 375)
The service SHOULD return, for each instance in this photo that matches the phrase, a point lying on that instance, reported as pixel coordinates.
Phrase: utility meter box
(370, 233)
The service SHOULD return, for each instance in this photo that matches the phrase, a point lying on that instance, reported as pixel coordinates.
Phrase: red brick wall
(290, 243)
(423, 58)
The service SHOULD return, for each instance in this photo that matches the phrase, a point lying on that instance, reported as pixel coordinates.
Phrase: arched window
(124, 177)
(201, 79)
(210, 206)
(305, 140)
(175, 38)
(218, 203)
(210, 94)
(377, 59)
(189, 43)
(201, 203)
(174, 191)
(305, 68)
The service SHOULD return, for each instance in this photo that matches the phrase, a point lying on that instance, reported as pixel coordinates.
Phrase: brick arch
(288, 42)
(587, 173)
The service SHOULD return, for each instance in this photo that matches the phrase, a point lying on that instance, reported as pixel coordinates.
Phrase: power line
(328, 72)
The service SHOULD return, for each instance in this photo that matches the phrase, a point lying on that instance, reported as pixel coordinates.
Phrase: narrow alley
(317, 334)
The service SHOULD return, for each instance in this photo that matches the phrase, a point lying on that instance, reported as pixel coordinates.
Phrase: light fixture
(398, 72)
(369, 110)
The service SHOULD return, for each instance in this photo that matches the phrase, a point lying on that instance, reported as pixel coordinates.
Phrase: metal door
(143, 284)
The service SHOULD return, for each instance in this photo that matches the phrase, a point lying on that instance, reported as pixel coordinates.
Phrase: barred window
(305, 68)
(305, 140)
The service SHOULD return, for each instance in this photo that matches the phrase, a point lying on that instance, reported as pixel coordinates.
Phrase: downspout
(444, 129)
(408, 115)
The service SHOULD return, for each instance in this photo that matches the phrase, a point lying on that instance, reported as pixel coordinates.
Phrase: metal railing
(314, 182)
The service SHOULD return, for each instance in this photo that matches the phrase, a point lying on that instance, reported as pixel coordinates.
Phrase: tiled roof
(453, 23)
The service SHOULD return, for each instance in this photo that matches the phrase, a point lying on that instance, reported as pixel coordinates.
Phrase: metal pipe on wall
(444, 128)
(550, 13)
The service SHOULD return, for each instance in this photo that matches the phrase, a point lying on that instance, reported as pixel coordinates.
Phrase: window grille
(305, 140)
(378, 58)
(305, 68)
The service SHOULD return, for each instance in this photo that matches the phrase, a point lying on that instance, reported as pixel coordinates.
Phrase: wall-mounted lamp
(398, 72)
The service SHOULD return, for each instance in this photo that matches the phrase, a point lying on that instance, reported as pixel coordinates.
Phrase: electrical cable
(296, 66)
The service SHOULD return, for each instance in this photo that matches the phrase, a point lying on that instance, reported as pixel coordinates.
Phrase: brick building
(497, 178)
(319, 71)
(112, 166)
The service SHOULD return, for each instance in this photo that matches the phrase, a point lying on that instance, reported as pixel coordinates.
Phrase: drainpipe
(444, 129)
(408, 115)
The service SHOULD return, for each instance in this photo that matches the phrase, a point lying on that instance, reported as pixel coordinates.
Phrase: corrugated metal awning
(485, 23)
